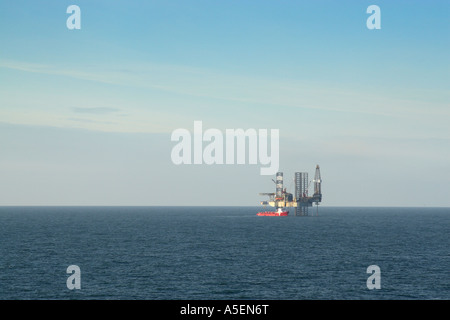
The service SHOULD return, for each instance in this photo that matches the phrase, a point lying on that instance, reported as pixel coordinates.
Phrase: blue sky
(86, 115)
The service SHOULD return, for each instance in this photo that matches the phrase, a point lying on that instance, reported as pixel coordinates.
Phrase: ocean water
(223, 253)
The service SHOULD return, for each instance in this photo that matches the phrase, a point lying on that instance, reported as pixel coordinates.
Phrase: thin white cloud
(187, 86)
(96, 110)
(202, 83)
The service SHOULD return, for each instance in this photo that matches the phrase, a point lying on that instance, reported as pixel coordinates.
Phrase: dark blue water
(223, 253)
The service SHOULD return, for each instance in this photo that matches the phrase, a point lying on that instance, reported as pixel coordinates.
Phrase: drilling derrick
(282, 200)
(279, 186)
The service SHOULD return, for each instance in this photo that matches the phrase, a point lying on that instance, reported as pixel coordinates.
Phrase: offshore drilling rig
(300, 200)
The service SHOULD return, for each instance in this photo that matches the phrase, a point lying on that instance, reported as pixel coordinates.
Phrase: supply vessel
(282, 200)
(279, 212)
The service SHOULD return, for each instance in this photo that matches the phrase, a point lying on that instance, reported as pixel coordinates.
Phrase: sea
(224, 253)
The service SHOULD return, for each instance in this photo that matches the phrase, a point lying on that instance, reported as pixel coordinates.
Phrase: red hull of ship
(273, 214)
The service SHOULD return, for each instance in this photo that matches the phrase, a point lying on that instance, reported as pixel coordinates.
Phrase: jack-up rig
(282, 200)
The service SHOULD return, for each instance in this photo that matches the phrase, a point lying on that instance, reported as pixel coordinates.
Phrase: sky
(86, 115)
